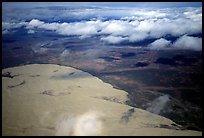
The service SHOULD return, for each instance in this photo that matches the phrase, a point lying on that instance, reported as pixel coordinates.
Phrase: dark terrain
(145, 74)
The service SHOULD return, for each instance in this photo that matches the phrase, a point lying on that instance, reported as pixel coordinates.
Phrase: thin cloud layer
(8, 27)
(113, 39)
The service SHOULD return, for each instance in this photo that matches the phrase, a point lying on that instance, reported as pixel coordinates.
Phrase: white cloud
(194, 14)
(5, 31)
(158, 104)
(160, 44)
(188, 42)
(137, 36)
(8, 27)
(136, 31)
(65, 53)
(184, 42)
(113, 39)
(31, 31)
(176, 27)
(149, 14)
(146, 26)
(135, 25)
(35, 23)
(88, 28)
(117, 27)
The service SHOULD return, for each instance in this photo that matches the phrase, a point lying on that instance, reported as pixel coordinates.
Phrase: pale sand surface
(71, 98)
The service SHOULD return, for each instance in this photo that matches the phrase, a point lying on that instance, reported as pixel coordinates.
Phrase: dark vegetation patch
(173, 126)
(34, 75)
(156, 77)
(68, 43)
(184, 113)
(110, 99)
(71, 46)
(109, 59)
(166, 61)
(48, 92)
(12, 86)
(8, 41)
(72, 73)
(127, 55)
(8, 75)
(141, 64)
(139, 43)
(178, 60)
(126, 115)
(190, 95)
(189, 120)
(16, 48)
(51, 93)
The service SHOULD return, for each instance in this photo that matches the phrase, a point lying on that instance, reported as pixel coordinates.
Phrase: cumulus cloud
(35, 23)
(183, 42)
(117, 27)
(188, 42)
(137, 36)
(162, 27)
(135, 31)
(136, 25)
(113, 39)
(160, 44)
(87, 28)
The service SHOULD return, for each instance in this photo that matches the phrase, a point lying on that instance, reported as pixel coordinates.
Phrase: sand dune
(46, 99)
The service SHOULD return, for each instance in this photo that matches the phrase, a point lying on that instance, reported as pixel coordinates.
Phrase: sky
(108, 4)
(113, 22)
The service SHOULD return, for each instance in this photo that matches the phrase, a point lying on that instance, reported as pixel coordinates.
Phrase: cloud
(161, 27)
(149, 14)
(138, 36)
(31, 31)
(188, 42)
(131, 25)
(65, 53)
(113, 39)
(8, 27)
(87, 28)
(160, 44)
(35, 23)
(194, 14)
(156, 23)
(183, 42)
(158, 104)
(134, 30)
(117, 27)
